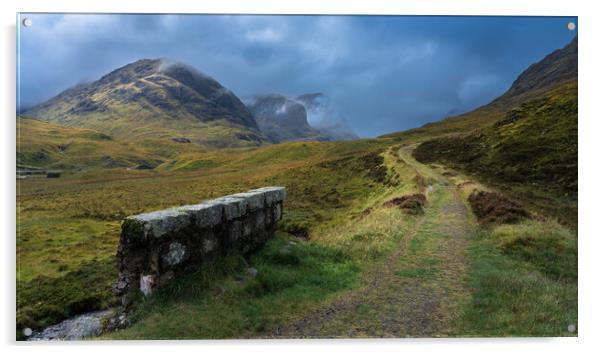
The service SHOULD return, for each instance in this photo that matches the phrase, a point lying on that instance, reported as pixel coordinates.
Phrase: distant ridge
(287, 119)
(553, 71)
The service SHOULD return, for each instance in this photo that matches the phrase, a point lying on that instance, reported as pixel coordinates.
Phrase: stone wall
(156, 247)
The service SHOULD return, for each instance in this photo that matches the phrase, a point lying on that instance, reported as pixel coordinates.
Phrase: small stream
(78, 327)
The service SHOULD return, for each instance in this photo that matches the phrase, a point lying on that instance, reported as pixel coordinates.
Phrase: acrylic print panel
(230, 176)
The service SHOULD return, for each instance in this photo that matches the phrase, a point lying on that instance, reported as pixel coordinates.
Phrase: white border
(589, 169)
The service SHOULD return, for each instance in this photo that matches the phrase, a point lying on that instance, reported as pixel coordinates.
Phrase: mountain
(527, 139)
(323, 120)
(556, 69)
(285, 119)
(156, 98)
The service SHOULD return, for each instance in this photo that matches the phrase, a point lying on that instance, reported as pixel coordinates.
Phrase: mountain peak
(160, 92)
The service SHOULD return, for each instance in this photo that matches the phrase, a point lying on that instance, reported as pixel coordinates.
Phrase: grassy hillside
(69, 227)
(49, 145)
(532, 149)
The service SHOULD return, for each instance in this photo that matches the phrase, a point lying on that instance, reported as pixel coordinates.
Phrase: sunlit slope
(155, 98)
(48, 145)
(535, 143)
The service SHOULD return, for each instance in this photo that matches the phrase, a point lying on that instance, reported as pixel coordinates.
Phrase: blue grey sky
(381, 73)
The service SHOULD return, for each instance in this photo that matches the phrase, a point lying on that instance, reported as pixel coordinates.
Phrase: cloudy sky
(381, 73)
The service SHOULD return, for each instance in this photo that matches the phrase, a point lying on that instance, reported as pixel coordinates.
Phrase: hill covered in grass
(50, 145)
(156, 98)
(525, 140)
(535, 144)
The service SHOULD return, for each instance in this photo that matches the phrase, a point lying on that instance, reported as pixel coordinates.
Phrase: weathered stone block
(234, 207)
(175, 255)
(209, 244)
(277, 212)
(273, 195)
(255, 199)
(147, 284)
(160, 223)
(205, 215)
(260, 220)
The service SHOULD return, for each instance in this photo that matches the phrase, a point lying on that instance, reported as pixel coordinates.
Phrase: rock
(176, 254)
(206, 214)
(278, 212)
(117, 322)
(75, 328)
(235, 231)
(209, 244)
(159, 223)
(252, 272)
(234, 206)
(260, 220)
(273, 195)
(255, 198)
(147, 283)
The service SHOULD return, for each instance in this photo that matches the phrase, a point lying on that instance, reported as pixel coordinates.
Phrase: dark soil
(495, 208)
(413, 203)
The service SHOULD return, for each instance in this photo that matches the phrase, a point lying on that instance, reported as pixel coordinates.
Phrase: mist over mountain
(303, 118)
(155, 97)
(322, 117)
(160, 97)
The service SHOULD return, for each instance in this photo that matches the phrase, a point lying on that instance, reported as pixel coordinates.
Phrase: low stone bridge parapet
(156, 247)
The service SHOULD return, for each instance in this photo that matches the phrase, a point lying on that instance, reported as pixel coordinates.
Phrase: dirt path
(418, 291)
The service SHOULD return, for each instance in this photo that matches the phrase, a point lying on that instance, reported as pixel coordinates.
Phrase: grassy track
(418, 290)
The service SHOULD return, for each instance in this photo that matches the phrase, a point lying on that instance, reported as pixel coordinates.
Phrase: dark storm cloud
(382, 74)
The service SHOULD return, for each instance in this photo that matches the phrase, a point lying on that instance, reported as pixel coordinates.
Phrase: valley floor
(367, 270)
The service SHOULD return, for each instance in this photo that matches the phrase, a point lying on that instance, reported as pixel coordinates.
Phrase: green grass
(531, 151)
(65, 266)
(548, 246)
(522, 291)
(222, 301)
(427, 268)
(67, 224)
